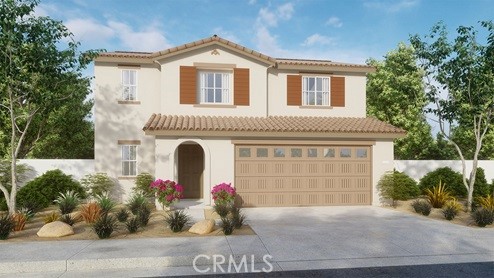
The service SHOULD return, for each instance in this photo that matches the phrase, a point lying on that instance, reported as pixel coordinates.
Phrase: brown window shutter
(294, 90)
(188, 85)
(337, 91)
(241, 86)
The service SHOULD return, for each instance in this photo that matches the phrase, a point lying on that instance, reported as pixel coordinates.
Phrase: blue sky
(344, 31)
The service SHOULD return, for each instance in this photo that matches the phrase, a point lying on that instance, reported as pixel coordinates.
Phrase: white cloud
(334, 21)
(150, 39)
(252, 2)
(267, 17)
(271, 18)
(285, 11)
(393, 6)
(317, 39)
(88, 30)
(266, 42)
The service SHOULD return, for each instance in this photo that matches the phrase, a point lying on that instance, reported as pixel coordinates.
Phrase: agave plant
(176, 220)
(68, 201)
(105, 202)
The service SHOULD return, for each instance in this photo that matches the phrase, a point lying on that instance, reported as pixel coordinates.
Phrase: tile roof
(318, 63)
(215, 38)
(158, 122)
(282, 61)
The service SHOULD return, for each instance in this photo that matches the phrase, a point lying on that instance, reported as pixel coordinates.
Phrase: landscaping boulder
(209, 213)
(55, 229)
(203, 227)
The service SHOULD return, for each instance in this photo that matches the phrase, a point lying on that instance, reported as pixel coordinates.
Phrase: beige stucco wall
(114, 121)
(170, 88)
(382, 161)
(355, 97)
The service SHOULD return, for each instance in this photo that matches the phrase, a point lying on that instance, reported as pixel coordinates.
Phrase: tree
(395, 94)
(460, 83)
(39, 68)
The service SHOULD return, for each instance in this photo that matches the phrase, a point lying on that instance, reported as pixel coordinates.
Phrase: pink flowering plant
(223, 194)
(167, 192)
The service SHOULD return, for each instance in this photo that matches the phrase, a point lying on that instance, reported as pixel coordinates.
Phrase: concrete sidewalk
(294, 238)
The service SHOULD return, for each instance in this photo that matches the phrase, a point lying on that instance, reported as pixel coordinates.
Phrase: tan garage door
(267, 175)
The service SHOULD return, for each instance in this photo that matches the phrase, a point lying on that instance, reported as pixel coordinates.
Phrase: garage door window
(311, 152)
(279, 152)
(329, 152)
(296, 152)
(244, 152)
(361, 153)
(345, 153)
(262, 152)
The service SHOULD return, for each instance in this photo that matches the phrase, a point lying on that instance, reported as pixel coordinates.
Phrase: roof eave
(326, 68)
(240, 49)
(125, 60)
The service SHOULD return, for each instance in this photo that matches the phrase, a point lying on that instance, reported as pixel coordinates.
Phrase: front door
(190, 170)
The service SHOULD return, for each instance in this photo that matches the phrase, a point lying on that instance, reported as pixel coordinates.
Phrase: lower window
(129, 160)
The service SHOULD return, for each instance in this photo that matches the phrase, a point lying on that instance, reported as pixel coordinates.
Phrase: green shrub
(6, 226)
(481, 187)
(105, 202)
(67, 218)
(67, 201)
(228, 225)
(483, 217)
(122, 215)
(132, 224)
(97, 184)
(136, 202)
(142, 183)
(421, 206)
(104, 226)
(176, 220)
(438, 196)
(451, 209)
(453, 181)
(45, 189)
(238, 217)
(397, 186)
(144, 214)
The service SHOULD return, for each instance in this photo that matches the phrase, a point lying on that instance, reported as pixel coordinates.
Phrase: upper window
(215, 87)
(315, 90)
(129, 84)
(129, 160)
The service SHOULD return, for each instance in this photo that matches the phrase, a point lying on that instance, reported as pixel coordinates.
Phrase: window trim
(325, 100)
(124, 86)
(122, 161)
(201, 91)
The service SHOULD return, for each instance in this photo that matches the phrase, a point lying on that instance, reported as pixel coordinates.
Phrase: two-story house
(284, 132)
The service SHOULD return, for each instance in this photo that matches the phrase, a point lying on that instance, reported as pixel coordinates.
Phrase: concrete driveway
(294, 238)
(339, 237)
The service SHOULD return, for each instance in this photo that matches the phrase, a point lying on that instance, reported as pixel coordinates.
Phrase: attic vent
(215, 52)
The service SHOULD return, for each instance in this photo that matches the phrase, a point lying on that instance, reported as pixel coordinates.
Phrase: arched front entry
(191, 169)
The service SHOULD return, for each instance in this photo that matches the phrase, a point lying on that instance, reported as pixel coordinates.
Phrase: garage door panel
(304, 175)
(313, 199)
(301, 184)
